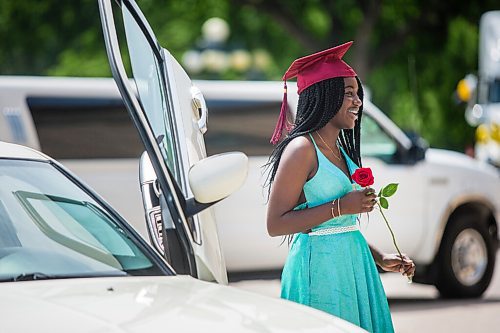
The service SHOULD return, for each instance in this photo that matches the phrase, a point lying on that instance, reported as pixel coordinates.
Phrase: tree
(411, 53)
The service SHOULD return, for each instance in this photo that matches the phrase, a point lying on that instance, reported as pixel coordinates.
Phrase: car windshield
(51, 228)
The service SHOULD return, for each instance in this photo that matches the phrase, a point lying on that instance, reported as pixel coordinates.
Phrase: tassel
(282, 122)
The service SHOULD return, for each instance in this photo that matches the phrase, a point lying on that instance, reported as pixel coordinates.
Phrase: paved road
(418, 308)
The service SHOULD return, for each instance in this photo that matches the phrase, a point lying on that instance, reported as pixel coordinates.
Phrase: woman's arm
(298, 163)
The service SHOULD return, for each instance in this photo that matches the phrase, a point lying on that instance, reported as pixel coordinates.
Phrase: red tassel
(282, 122)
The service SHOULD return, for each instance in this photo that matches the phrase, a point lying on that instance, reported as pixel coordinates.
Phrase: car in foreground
(70, 263)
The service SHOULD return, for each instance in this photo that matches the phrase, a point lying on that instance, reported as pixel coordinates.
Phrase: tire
(466, 258)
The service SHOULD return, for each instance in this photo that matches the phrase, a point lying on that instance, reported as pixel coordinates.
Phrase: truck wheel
(466, 259)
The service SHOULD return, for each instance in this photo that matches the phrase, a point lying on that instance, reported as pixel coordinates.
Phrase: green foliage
(417, 90)
(406, 111)
(318, 21)
(34, 34)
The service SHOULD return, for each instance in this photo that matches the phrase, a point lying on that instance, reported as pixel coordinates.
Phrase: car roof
(10, 150)
(271, 91)
(262, 90)
(64, 86)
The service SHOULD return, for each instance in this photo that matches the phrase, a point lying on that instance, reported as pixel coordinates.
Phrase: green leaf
(389, 190)
(384, 203)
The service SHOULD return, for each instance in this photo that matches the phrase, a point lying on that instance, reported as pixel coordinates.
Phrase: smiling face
(348, 113)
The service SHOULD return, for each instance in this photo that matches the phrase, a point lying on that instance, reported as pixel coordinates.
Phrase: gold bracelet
(338, 206)
(333, 207)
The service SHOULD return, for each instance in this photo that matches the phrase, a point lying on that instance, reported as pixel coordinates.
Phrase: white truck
(483, 92)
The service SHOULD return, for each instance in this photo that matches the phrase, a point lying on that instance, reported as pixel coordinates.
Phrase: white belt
(334, 230)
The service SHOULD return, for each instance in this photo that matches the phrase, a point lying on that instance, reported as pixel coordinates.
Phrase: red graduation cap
(309, 70)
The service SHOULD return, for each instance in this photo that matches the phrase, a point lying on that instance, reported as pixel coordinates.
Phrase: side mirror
(216, 177)
(211, 180)
(418, 148)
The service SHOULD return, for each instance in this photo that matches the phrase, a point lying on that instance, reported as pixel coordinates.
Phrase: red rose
(363, 177)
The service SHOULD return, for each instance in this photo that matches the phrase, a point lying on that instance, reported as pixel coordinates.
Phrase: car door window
(375, 142)
(158, 109)
(152, 95)
(151, 107)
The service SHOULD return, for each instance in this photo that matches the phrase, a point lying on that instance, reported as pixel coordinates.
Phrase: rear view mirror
(216, 177)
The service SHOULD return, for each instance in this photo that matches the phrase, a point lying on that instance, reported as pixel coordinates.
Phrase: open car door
(179, 183)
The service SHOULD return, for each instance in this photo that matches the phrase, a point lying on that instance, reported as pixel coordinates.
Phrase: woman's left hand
(395, 263)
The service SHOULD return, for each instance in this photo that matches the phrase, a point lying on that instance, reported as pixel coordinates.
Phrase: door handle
(199, 108)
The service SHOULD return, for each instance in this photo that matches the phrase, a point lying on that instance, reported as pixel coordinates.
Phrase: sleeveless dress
(335, 273)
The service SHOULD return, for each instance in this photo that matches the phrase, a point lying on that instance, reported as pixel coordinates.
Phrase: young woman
(312, 197)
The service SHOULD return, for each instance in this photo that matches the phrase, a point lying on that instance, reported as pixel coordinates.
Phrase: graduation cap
(309, 70)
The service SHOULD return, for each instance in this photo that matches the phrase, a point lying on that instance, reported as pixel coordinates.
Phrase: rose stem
(393, 237)
(390, 229)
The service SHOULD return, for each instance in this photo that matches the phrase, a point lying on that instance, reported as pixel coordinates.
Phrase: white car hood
(152, 304)
(455, 159)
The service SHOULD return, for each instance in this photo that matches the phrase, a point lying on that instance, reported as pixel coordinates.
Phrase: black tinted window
(84, 128)
(494, 92)
(375, 142)
(240, 125)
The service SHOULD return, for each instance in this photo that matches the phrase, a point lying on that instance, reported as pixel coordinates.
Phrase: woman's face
(348, 114)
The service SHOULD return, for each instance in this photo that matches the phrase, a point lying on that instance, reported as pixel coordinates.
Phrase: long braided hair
(317, 105)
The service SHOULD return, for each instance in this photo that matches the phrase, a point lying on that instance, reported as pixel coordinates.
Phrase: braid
(350, 139)
(356, 155)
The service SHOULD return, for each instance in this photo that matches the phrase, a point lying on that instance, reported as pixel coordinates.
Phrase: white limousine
(445, 214)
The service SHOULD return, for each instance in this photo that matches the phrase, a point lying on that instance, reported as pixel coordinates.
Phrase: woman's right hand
(358, 201)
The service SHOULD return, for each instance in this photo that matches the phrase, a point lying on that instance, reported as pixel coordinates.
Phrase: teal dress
(335, 273)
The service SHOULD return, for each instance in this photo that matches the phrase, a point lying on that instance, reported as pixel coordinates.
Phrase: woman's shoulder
(300, 148)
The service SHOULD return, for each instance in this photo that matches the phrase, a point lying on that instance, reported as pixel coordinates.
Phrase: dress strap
(350, 163)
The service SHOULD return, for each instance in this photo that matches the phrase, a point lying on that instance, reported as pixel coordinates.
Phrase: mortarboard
(309, 70)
